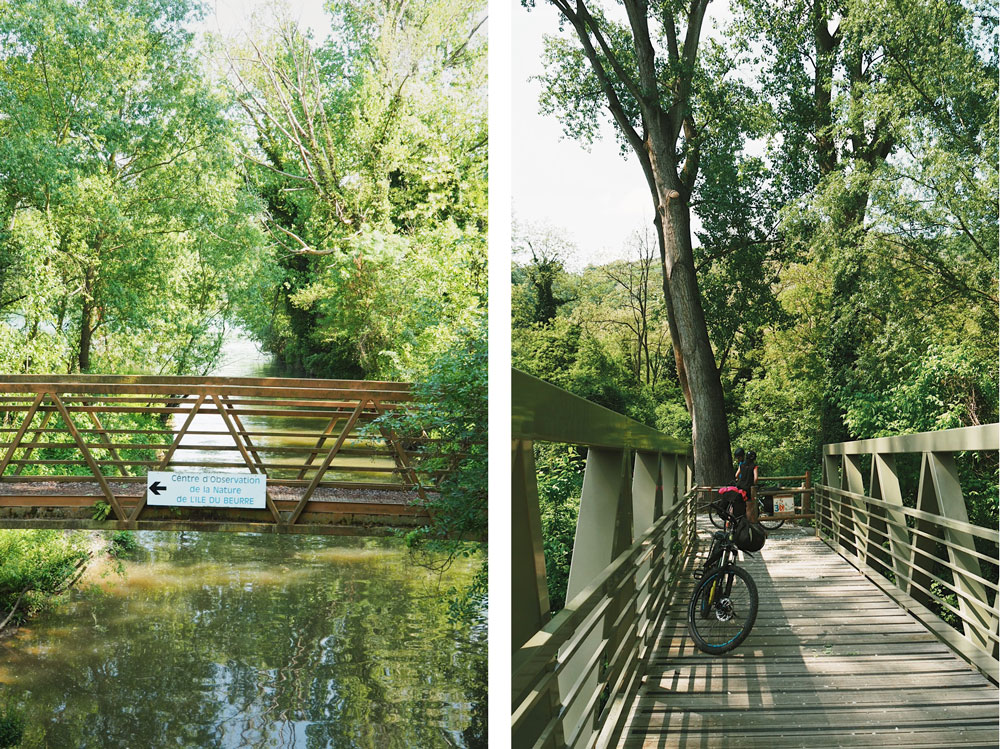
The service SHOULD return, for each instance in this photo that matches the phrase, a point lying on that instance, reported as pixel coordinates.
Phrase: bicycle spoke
(726, 606)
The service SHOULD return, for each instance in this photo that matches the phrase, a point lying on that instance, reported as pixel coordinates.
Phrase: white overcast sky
(596, 197)
(231, 17)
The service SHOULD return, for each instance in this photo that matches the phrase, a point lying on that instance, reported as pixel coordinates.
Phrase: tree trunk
(86, 324)
(675, 344)
(86, 335)
(709, 428)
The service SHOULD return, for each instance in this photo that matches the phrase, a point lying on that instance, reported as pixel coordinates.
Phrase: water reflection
(284, 642)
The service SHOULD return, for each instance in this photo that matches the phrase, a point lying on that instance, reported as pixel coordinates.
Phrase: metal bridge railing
(101, 434)
(575, 673)
(924, 557)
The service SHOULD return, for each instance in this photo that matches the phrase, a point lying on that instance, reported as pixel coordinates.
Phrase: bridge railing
(925, 557)
(575, 673)
(782, 494)
(106, 432)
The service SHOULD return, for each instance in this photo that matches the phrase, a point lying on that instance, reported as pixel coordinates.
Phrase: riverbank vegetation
(840, 164)
(35, 568)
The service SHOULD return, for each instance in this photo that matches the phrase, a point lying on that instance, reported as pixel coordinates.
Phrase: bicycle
(769, 524)
(723, 608)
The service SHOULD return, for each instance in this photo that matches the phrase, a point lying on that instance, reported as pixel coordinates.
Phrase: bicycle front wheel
(722, 610)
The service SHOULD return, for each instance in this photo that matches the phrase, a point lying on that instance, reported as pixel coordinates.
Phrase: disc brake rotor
(724, 610)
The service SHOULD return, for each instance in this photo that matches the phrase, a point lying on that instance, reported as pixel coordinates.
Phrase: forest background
(160, 186)
(840, 163)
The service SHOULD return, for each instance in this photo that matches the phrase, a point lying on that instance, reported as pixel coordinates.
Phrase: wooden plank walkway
(831, 662)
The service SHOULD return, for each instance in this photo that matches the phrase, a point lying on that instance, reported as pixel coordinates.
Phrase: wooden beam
(95, 469)
(328, 460)
(20, 432)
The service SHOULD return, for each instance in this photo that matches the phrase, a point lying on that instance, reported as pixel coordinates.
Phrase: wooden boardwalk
(831, 662)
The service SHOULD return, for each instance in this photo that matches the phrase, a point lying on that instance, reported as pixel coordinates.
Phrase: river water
(241, 640)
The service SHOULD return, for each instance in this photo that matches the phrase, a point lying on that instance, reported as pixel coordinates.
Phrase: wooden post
(529, 589)
(95, 469)
(807, 503)
(593, 550)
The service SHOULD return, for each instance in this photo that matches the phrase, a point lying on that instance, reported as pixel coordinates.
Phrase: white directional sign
(206, 489)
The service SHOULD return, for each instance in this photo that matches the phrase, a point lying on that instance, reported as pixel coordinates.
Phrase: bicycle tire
(771, 525)
(716, 520)
(734, 613)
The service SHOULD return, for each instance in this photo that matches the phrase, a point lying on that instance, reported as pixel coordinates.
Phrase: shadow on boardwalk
(831, 662)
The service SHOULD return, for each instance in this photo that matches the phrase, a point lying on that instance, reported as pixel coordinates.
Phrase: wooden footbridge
(75, 452)
(849, 648)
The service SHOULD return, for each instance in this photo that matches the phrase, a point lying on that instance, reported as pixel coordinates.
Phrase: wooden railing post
(597, 532)
(885, 486)
(529, 591)
(807, 503)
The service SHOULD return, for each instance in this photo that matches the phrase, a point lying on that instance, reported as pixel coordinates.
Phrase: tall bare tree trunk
(663, 100)
(709, 427)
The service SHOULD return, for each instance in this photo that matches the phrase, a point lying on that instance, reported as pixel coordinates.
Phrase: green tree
(370, 155)
(882, 109)
(123, 211)
(648, 75)
(36, 566)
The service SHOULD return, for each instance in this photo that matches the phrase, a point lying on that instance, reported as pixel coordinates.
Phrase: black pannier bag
(749, 536)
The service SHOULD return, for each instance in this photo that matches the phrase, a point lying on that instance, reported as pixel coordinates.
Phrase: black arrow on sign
(157, 487)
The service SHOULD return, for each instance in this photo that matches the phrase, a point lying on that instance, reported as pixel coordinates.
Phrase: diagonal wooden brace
(95, 469)
(351, 421)
(103, 435)
(327, 433)
(402, 461)
(231, 409)
(31, 445)
(246, 457)
(141, 505)
(20, 432)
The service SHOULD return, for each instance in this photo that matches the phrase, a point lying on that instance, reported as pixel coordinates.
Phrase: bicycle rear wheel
(714, 517)
(771, 525)
(722, 610)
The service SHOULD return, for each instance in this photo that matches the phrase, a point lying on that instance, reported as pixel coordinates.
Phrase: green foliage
(370, 157)
(101, 510)
(560, 482)
(124, 221)
(36, 567)
(123, 545)
(452, 411)
(12, 724)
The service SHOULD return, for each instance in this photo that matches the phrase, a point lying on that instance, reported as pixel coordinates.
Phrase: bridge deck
(329, 511)
(831, 661)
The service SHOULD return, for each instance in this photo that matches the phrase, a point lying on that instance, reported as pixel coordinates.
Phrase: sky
(231, 17)
(596, 197)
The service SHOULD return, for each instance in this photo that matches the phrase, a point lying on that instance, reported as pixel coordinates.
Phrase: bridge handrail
(910, 552)
(11, 387)
(545, 413)
(574, 674)
(345, 447)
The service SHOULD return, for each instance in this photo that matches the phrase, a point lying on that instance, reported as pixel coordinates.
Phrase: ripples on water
(283, 641)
